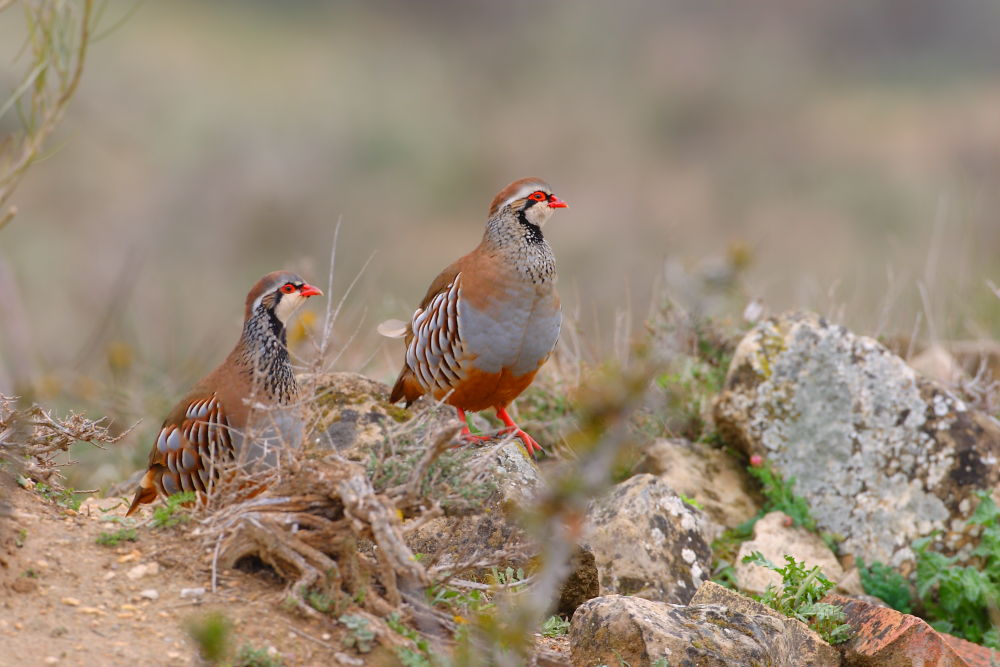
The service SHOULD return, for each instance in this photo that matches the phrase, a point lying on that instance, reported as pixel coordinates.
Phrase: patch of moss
(397, 413)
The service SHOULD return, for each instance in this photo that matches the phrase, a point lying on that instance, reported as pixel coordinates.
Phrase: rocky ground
(384, 545)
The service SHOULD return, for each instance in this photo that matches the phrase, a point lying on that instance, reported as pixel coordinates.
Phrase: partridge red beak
(555, 202)
(309, 290)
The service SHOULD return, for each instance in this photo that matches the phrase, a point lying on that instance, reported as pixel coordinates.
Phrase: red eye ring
(287, 288)
(539, 196)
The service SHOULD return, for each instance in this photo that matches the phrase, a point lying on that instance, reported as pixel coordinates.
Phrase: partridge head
(490, 320)
(237, 412)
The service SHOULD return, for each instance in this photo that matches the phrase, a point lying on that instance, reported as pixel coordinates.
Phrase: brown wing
(433, 345)
(194, 435)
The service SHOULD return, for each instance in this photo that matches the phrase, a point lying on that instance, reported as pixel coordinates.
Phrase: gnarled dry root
(325, 531)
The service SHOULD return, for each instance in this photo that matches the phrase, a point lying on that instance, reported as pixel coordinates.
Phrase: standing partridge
(240, 412)
(491, 319)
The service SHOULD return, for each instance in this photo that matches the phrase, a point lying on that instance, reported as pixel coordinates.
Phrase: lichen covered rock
(882, 455)
(352, 413)
(647, 542)
(724, 628)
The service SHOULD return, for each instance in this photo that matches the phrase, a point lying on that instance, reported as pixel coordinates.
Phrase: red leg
(530, 443)
(466, 434)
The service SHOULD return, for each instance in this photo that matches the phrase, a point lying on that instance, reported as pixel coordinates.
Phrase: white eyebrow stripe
(523, 192)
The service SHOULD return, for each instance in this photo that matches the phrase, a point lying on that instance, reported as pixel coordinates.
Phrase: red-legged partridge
(249, 394)
(490, 320)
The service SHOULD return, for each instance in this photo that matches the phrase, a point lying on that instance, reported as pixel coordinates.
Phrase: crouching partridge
(490, 320)
(241, 411)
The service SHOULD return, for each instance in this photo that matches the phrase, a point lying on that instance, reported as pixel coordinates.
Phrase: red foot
(510, 428)
(529, 443)
(466, 434)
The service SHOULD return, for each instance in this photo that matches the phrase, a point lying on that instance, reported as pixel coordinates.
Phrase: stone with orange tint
(886, 637)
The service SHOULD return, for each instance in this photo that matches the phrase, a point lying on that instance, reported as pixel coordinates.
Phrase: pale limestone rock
(720, 628)
(647, 542)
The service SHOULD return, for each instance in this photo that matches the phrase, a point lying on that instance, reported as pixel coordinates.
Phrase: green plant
(117, 537)
(324, 602)
(799, 595)
(20, 538)
(248, 656)
(883, 582)
(509, 577)
(360, 637)
(211, 634)
(691, 501)
(170, 513)
(67, 498)
(555, 626)
(409, 657)
(959, 600)
(779, 494)
(461, 603)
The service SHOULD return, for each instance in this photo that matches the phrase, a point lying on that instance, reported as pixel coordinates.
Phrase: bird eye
(539, 196)
(287, 288)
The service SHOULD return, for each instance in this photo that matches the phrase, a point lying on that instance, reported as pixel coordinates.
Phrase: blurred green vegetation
(847, 149)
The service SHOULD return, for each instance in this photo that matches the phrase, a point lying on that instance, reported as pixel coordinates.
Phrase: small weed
(419, 657)
(691, 501)
(211, 635)
(30, 573)
(510, 577)
(361, 637)
(779, 494)
(461, 603)
(324, 603)
(171, 513)
(555, 626)
(799, 595)
(959, 600)
(20, 538)
(117, 537)
(886, 584)
(67, 498)
(248, 656)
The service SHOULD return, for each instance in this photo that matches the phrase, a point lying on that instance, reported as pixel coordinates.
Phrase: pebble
(192, 592)
(140, 571)
(327, 636)
(150, 594)
(72, 602)
(51, 660)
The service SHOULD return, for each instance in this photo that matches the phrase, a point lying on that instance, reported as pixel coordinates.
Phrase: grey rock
(647, 542)
(883, 455)
(719, 628)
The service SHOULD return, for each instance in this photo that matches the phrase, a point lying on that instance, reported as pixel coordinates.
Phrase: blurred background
(842, 157)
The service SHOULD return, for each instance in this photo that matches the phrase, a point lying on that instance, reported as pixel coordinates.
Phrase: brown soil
(66, 600)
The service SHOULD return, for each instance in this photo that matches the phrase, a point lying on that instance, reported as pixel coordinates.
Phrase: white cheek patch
(288, 305)
(538, 214)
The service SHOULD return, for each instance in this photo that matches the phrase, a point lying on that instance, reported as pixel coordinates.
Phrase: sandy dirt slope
(65, 600)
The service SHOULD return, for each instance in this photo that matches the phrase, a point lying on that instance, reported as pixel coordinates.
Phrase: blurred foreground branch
(32, 438)
(59, 32)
